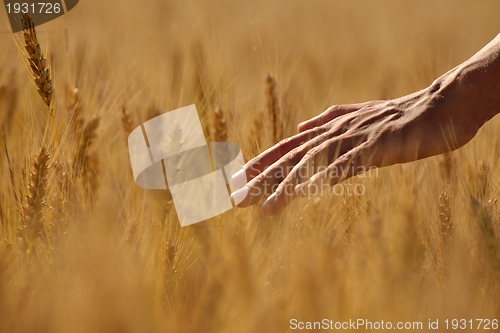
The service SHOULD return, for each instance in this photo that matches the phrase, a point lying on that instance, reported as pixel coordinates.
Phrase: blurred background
(82, 249)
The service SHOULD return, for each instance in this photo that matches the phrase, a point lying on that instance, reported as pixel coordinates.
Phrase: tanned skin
(438, 119)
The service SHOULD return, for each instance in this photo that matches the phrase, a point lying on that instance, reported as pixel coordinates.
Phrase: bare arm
(440, 118)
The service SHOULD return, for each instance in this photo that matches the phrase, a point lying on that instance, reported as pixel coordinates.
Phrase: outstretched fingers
(313, 162)
(264, 183)
(353, 163)
(257, 165)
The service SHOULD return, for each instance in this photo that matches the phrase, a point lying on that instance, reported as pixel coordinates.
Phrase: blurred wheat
(219, 126)
(83, 249)
(35, 199)
(273, 108)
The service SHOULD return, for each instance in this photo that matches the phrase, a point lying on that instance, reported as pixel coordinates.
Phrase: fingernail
(239, 195)
(270, 200)
(238, 180)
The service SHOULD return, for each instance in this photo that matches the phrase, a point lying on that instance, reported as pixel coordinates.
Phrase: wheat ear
(86, 140)
(219, 126)
(39, 68)
(127, 121)
(35, 199)
(487, 232)
(86, 163)
(273, 107)
(446, 224)
(74, 109)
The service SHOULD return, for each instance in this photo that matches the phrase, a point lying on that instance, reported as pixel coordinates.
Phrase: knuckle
(331, 109)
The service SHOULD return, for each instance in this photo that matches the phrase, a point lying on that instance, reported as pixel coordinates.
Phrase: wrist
(468, 96)
(477, 83)
(453, 105)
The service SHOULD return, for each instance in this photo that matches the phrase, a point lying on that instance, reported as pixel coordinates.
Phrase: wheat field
(83, 249)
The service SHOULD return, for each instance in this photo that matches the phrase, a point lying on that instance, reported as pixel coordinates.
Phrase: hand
(348, 139)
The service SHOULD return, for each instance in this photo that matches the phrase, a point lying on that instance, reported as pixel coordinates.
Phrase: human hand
(346, 140)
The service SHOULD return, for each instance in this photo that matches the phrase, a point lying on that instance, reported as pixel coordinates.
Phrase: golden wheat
(35, 198)
(254, 139)
(37, 62)
(273, 108)
(152, 111)
(111, 256)
(8, 101)
(74, 110)
(445, 217)
(488, 238)
(83, 157)
(86, 161)
(127, 121)
(219, 126)
(39, 69)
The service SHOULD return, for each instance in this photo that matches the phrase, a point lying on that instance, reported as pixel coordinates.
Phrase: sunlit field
(83, 249)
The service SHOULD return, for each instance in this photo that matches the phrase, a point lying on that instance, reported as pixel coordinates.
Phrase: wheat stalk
(255, 137)
(273, 108)
(11, 172)
(203, 90)
(91, 168)
(446, 166)
(8, 102)
(200, 64)
(75, 109)
(483, 180)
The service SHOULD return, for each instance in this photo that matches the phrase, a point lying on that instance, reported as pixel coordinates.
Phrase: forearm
(447, 114)
(474, 86)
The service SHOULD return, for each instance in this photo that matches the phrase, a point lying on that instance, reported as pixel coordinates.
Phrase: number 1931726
(478, 324)
(33, 8)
